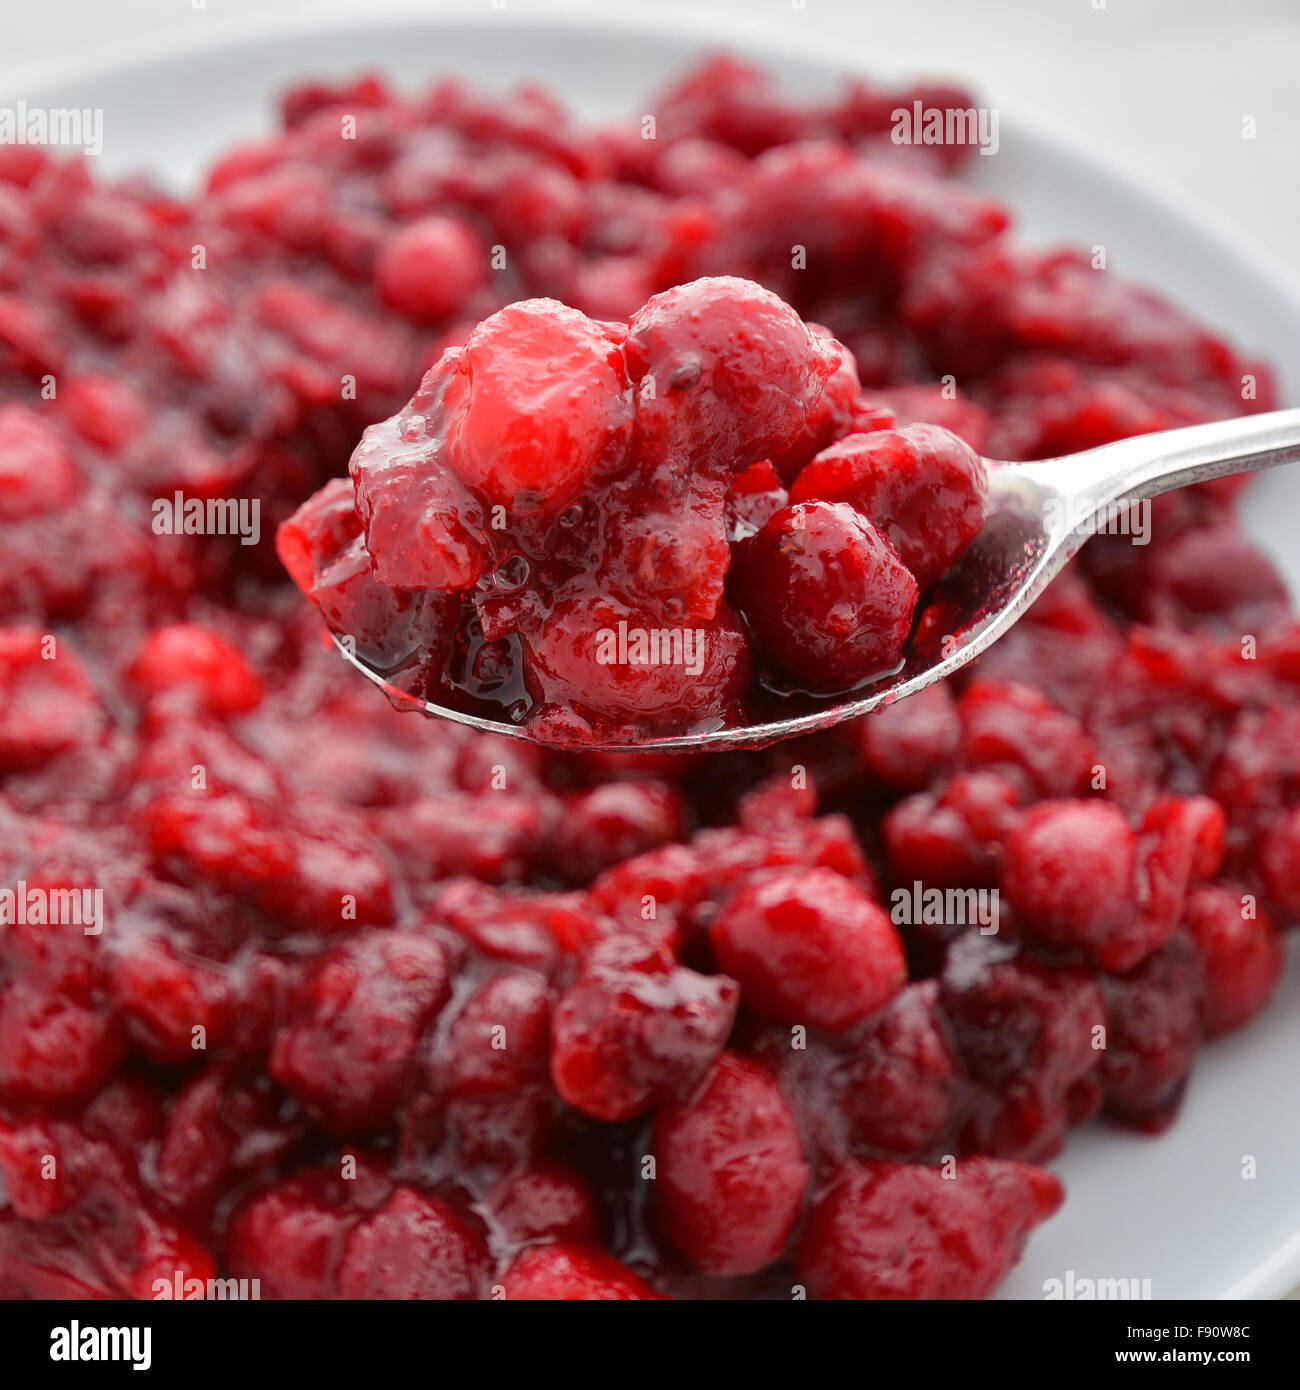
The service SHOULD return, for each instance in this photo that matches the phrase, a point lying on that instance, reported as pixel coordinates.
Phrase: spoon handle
(1147, 465)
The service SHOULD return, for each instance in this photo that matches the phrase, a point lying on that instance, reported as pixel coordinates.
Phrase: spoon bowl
(1039, 515)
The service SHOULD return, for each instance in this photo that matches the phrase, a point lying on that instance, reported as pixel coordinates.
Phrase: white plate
(1175, 1210)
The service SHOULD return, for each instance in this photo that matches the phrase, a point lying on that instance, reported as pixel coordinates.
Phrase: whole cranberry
(47, 703)
(730, 1174)
(202, 665)
(922, 486)
(546, 408)
(584, 664)
(828, 599)
(900, 1082)
(424, 528)
(1069, 874)
(355, 1018)
(733, 371)
(611, 824)
(809, 946)
(954, 838)
(291, 1235)
(430, 269)
(414, 1247)
(1242, 952)
(907, 744)
(1015, 730)
(499, 1040)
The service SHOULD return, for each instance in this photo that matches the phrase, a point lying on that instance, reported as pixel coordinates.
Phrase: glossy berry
(354, 1023)
(585, 667)
(730, 1174)
(1069, 873)
(809, 946)
(890, 1230)
(734, 371)
(199, 664)
(828, 599)
(636, 1028)
(564, 1273)
(546, 408)
(922, 487)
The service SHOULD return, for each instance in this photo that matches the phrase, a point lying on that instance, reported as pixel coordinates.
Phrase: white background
(1165, 83)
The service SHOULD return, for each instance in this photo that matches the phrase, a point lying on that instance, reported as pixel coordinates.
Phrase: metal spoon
(1039, 515)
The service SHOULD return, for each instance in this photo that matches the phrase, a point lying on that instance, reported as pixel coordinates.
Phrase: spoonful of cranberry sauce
(691, 530)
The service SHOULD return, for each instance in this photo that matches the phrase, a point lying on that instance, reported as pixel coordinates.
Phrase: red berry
(1031, 1041)
(292, 1235)
(413, 1247)
(909, 743)
(1069, 874)
(546, 408)
(894, 1230)
(355, 1020)
(47, 703)
(613, 823)
(1243, 955)
(809, 946)
(829, 601)
(430, 269)
(734, 372)
(636, 1028)
(730, 1174)
(601, 664)
(571, 1273)
(200, 664)
(37, 474)
(922, 487)
(900, 1081)
(1017, 731)
(954, 839)
(1155, 1017)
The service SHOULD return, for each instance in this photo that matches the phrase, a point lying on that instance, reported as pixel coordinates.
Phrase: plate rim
(231, 32)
